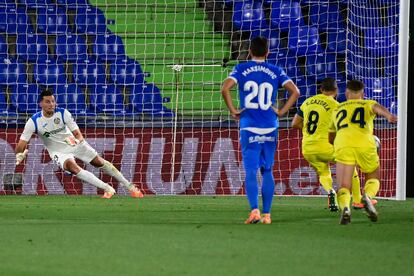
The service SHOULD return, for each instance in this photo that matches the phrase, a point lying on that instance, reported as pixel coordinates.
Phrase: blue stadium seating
(109, 47)
(291, 66)
(24, 98)
(380, 89)
(6, 2)
(381, 41)
(89, 73)
(326, 16)
(35, 3)
(3, 47)
(74, 3)
(304, 41)
(90, 20)
(323, 66)
(107, 99)
(364, 16)
(391, 66)
(147, 99)
(389, 2)
(126, 72)
(361, 66)
(50, 73)
(307, 87)
(336, 41)
(14, 20)
(4, 109)
(71, 47)
(52, 20)
(249, 15)
(31, 47)
(286, 15)
(71, 97)
(12, 73)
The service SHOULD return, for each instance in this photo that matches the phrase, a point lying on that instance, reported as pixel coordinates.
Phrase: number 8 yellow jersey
(353, 122)
(317, 119)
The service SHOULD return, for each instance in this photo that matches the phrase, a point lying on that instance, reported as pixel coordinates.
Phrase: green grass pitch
(81, 235)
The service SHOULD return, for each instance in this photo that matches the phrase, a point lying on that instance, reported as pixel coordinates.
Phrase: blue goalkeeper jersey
(258, 83)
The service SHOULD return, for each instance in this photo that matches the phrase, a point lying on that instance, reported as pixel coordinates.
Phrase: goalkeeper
(314, 119)
(63, 140)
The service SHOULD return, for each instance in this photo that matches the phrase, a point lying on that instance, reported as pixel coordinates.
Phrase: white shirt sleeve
(28, 131)
(69, 121)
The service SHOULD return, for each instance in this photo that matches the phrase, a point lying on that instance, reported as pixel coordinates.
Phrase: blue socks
(268, 190)
(252, 189)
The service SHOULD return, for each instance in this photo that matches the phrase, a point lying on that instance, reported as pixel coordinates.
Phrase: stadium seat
(360, 66)
(304, 41)
(12, 73)
(24, 98)
(307, 87)
(286, 15)
(52, 20)
(391, 66)
(71, 97)
(364, 15)
(291, 66)
(3, 47)
(336, 41)
(4, 110)
(51, 73)
(14, 20)
(381, 42)
(109, 47)
(90, 20)
(107, 99)
(35, 3)
(31, 47)
(323, 66)
(147, 99)
(89, 73)
(71, 47)
(326, 16)
(75, 3)
(126, 72)
(249, 16)
(383, 90)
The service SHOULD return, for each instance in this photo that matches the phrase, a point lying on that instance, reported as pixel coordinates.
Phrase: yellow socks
(371, 187)
(356, 188)
(326, 182)
(344, 198)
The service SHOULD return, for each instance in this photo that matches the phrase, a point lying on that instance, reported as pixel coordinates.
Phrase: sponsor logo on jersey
(48, 133)
(261, 139)
(56, 121)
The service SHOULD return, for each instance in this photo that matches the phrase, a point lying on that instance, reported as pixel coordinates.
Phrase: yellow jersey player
(353, 121)
(314, 119)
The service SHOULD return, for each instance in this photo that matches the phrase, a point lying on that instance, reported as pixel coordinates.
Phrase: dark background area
(410, 173)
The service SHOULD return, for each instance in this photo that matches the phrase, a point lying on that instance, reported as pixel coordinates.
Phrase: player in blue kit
(258, 83)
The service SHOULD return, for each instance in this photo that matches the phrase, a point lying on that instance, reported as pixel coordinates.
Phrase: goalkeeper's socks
(110, 169)
(344, 198)
(268, 190)
(252, 189)
(90, 178)
(371, 187)
(356, 188)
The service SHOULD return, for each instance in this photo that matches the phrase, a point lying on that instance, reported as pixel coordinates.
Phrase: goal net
(142, 79)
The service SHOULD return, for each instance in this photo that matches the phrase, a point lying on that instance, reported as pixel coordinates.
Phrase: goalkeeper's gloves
(21, 156)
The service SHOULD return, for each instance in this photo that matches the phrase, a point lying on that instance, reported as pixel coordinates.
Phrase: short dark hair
(45, 93)
(329, 85)
(258, 46)
(355, 85)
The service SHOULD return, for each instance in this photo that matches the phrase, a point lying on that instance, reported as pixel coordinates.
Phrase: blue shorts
(258, 151)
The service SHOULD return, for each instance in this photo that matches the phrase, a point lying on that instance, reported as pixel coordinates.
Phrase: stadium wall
(207, 162)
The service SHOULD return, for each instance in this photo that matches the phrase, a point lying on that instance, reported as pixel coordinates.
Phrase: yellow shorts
(365, 158)
(320, 161)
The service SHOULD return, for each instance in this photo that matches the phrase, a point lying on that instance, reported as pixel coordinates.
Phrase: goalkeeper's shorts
(366, 159)
(82, 151)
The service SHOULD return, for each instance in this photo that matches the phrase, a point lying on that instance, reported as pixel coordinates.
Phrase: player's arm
(21, 151)
(228, 84)
(383, 111)
(297, 121)
(293, 96)
(70, 122)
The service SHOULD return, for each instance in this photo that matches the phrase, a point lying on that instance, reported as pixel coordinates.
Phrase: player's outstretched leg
(111, 170)
(325, 179)
(370, 190)
(356, 192)
(252, 191)
(345, 216)
(268, 190)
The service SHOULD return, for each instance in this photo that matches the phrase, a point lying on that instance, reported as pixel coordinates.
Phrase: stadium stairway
(164, 33)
